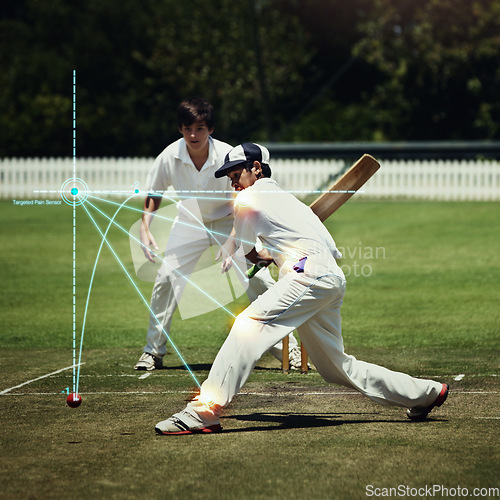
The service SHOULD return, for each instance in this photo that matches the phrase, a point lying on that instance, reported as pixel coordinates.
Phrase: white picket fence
(423, 179)
(437, 180)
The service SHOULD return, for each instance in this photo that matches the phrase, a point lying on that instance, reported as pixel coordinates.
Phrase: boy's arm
(262, 257)
(151, 205)
(227, 250)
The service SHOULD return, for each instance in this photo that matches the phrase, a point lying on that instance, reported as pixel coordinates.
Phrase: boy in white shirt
(307, 296)
(204, 220)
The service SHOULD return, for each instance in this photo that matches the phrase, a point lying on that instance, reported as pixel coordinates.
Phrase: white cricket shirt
(287, 228)
(174, 167)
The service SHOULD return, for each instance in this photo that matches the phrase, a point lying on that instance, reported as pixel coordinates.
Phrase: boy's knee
(246, 327)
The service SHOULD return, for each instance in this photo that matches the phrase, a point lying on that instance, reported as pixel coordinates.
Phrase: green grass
(427, 305)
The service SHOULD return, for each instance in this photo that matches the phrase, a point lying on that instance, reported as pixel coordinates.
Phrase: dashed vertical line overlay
(74, 233)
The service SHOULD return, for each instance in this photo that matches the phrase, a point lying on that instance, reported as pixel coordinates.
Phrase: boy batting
(189, 164)
(307, 296)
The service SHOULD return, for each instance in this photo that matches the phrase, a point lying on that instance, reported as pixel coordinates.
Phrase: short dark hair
(266, 169)
(195, 109)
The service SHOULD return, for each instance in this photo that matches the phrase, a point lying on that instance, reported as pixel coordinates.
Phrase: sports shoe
(185, 423)
(295, 359)
(421, 413)
(149, 362)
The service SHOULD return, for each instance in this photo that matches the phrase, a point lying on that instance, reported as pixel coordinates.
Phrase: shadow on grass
(206, 367)
(304, 420)
(194, 367)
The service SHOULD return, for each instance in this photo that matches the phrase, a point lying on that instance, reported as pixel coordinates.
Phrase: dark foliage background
(275, 70)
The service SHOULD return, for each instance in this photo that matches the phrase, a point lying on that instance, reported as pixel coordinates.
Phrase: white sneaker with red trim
(185, 422)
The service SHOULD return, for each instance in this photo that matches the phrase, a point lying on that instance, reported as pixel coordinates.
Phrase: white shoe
(149, 362)
(185, 422)
(295, 359)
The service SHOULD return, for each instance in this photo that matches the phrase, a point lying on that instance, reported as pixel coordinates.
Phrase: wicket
(285, 362)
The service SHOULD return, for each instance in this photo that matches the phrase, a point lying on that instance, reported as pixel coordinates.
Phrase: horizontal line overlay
(200, 191)
(160, 374)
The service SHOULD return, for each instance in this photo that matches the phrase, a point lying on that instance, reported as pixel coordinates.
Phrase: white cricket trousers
(186, 244)
(312, 306)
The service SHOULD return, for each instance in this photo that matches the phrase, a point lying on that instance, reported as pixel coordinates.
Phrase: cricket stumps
(285, 360)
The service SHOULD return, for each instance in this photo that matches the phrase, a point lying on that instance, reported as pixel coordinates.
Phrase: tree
(41, 44)
(135, 61)
(439, 59)
(295, 70)
(332, 106)
(245, 56)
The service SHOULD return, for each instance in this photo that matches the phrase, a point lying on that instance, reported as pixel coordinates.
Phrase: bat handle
(255, 269)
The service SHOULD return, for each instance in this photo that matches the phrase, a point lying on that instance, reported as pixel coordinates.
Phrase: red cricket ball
(74, 400)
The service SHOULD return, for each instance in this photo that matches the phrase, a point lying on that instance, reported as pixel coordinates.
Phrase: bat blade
(344, 187)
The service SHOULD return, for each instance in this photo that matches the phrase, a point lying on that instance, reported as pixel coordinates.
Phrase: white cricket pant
(186, 244)
(312, 306)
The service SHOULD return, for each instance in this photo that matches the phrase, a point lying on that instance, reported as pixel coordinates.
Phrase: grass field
(423, 298)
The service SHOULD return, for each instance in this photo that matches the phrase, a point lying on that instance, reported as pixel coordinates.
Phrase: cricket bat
(337, 194)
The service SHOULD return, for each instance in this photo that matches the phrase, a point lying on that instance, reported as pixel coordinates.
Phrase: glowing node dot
(74, 192)
(136, 191)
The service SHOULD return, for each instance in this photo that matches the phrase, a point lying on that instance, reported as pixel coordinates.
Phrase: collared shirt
(174, 167)
(287, 228)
